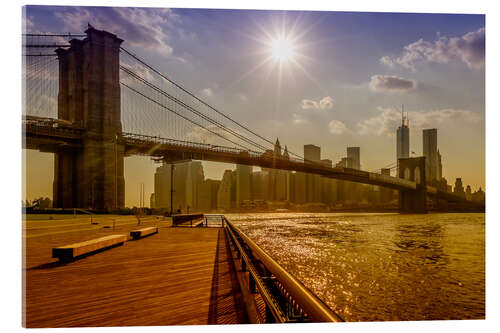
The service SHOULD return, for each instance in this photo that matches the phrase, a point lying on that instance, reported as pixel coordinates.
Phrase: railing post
(269, 316)
(251, 283)
(243, 265)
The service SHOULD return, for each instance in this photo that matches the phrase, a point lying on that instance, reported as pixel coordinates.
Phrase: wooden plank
(136, 234)
(77, 249)
(182, 276)
(191, 224)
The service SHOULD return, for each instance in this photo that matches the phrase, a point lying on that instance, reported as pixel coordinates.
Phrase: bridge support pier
(413, 201)
(91, 176)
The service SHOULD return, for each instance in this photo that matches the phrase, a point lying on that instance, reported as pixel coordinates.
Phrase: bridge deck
(180, 276)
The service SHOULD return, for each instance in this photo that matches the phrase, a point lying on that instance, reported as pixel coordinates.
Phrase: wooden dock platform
(180, 276)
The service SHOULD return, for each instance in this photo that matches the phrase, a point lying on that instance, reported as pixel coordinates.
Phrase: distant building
(403, 138)
(162, 187)
(431, 154)
(224, 194)
(459, 189)
(386, 194)
(243, 183)
(152, 202)
(281, 189)
(187, 179)
(328, 186)
(299, 188)
(286, 155)
(277, 148)
(468, 193)
(439, 171)
(207, 195)
(479, 196)
(353, 158)
(312, 153)
(352, 191)
(260, 181)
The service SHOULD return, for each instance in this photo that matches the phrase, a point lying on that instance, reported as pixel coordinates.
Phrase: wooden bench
(72, 251)
(139, 233)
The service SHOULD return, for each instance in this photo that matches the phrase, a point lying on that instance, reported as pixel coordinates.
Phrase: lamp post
(116, 172)
(171, 189)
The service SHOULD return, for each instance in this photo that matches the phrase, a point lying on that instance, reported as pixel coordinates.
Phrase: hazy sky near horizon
(344, 84)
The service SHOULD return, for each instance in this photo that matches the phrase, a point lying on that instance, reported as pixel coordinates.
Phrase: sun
(282, 49)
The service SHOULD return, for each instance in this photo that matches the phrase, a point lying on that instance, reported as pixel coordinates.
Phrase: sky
(341, 84)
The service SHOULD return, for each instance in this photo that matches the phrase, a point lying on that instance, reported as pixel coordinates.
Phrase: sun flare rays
(284, 49)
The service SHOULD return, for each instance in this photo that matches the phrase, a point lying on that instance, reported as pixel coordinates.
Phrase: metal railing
(286, 299)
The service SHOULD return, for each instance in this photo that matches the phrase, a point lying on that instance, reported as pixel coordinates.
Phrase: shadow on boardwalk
(225, 294)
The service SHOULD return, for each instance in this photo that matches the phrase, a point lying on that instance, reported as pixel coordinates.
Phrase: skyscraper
(386, 194)
(431, 154)
(312, 153)
(403, 138)
(243, 183)
(224, 193)
(187, 177)
(439, 171)
(353, 158)
(459, 188)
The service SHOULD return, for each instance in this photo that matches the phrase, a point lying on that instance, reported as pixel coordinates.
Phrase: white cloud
(201, 135)
(325, 103)
(308, 104)
(213, 135)
(298, 119)
(207, 92)
(391, 83)
(243, 97)
(337, 127)
(388, 119)
(386, 60)
(27, 24)
(141, 71)
(139, 27)
(468, 48)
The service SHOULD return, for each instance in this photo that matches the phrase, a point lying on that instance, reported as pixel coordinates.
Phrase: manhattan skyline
(340, 82)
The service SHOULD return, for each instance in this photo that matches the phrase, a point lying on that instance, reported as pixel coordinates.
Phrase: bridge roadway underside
(180, 276)
(53, 140)
(176, 153)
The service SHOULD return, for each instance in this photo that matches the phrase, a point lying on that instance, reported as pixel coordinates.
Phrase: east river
(373, 267)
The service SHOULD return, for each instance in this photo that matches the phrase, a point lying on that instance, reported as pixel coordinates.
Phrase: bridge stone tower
(89, 96)
(413, 169)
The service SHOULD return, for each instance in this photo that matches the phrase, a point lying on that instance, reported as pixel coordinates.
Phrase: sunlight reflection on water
(371, 267)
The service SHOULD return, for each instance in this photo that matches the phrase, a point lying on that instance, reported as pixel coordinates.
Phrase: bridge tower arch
(416, 175)
(413, 201)
(89, 95)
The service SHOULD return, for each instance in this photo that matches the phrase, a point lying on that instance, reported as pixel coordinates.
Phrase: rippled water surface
(371, 267)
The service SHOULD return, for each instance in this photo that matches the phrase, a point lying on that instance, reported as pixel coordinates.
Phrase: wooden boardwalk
(180, 276)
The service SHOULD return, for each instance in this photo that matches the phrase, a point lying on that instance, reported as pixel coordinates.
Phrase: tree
(42, 203)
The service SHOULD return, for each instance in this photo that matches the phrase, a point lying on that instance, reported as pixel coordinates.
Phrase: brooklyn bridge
(92, 103)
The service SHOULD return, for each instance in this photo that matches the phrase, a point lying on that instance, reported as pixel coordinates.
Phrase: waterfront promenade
(180, 276)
